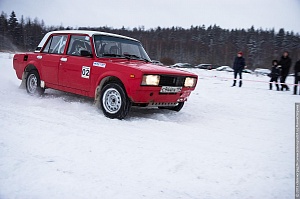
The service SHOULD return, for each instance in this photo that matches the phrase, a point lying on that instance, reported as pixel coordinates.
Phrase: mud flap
(23, 83)
(97, 97)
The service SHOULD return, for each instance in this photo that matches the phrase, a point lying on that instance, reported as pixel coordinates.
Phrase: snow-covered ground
(225, 143)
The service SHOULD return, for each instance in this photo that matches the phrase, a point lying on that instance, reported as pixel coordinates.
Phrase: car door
(51, 58)
(75, 70)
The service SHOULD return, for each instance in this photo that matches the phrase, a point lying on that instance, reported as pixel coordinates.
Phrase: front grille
(166, 80)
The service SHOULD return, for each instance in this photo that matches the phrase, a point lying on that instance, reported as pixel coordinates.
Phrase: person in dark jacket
(238, 66)
(275, 72)
(297, 76)
(285, 63)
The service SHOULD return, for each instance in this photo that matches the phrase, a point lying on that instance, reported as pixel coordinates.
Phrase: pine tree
(13, 27)
(3, 30)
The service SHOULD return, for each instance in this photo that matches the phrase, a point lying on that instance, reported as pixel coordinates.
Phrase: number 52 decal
(85, 73)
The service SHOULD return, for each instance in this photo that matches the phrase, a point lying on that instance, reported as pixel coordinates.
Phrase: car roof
(86, 32)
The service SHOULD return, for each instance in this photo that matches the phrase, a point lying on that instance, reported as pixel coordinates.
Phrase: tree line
(195, 45)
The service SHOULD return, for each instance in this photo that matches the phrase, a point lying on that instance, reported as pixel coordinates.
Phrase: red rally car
(113, 69)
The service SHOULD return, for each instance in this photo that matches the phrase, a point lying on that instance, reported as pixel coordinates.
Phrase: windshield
(107, 46)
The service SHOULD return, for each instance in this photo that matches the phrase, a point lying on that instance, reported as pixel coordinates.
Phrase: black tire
(33, 83)
(174, 108)
(178, 107)
(114, 101)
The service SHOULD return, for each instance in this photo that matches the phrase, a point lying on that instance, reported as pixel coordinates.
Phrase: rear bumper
(152, 95)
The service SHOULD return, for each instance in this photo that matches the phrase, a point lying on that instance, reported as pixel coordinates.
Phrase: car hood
(156, 69)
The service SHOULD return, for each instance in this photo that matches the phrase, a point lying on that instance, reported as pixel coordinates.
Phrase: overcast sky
(227, 14)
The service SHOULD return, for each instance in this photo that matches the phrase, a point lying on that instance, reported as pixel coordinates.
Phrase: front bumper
(150, 95)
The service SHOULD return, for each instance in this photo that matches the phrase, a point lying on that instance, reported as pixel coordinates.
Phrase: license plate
(170, 89)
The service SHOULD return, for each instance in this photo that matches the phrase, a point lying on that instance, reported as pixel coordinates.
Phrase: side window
(79, 43)
(46, 49)
(56, 44)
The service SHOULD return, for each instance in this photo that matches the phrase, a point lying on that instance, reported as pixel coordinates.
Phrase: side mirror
(85, 53)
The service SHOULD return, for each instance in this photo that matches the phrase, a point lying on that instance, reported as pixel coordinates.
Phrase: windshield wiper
(127, 56)
(111, 55)
(130, 56)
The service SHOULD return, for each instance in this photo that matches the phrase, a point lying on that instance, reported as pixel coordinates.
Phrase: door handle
(39, 57)
(64, 59)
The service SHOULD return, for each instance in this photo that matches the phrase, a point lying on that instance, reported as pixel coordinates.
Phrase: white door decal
(85, 73)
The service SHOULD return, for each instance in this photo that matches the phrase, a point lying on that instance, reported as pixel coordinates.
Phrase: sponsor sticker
(99, 64)
(85, 72)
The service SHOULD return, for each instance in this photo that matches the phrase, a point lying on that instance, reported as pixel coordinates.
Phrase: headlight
(190, 82)
(150, 80)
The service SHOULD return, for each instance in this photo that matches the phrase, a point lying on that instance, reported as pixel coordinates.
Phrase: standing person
(238, 66)
(275, 72)
(297, 76)
(285, 63)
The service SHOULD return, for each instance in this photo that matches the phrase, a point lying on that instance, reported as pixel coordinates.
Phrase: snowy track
(225, 143)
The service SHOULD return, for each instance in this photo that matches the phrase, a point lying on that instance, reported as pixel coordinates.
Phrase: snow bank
(225, 143)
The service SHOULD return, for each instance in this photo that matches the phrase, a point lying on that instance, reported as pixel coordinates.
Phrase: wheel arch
(104, 81)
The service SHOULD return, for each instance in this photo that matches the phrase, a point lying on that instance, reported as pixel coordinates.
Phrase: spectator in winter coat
(275, 72)
(297, 76)
(285, 63)
(238, 66)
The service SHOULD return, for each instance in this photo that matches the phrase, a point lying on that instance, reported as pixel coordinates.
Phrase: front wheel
(114, 101)
(177, 108)
(33, 83)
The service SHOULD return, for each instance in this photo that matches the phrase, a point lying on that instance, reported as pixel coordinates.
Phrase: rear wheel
(114, 101)
(33, 83)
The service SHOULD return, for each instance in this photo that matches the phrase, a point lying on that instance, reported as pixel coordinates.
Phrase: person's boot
(295, 90)
(270, 86)
(277, 87)
(287, 88)
(234, 82)
(240, 84)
